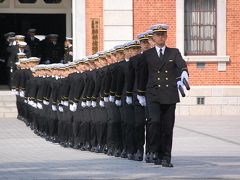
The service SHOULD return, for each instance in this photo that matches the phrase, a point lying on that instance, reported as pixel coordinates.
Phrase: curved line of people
(96, 103)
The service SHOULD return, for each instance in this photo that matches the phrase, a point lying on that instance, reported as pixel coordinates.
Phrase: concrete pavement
(204, 148)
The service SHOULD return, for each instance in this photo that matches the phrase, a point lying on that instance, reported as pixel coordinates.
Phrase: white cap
(22, 43)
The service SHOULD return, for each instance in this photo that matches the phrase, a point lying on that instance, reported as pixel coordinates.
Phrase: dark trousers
(139, 127)
(127, 126)
(161, 123)
(114, 138)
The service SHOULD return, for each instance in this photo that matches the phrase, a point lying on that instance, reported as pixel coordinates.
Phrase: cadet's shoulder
(174, 50)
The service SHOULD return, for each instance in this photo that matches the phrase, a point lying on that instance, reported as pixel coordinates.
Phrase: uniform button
(158, 72)
(166, 78)
(167, 85)
(159, 85)
(158, 78)
(166, 71)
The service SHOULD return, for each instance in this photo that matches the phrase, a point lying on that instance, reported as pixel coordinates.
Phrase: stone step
(8, 107)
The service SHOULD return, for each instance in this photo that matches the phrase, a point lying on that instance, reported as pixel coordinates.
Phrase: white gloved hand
(54, 108)
(22, 93)
(61, 102)
(111, 98)
(180, 83)
(88, 103)
(39, 105)
(45, 102)
(141, 100)
(129, 100)
(13, 91)
(83, 104)
(184, 75)
(34, 105)
(65, 103)
(60, 108)
(118, 102)
(94, 104)
(16, 93)
(25, 101)
(106, 99)
(71, 107)
(74, 106)
(101, 103)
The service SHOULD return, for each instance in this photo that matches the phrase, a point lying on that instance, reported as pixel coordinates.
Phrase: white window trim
(221, 56)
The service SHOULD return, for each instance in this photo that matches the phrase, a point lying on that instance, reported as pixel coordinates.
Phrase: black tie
(160, 54)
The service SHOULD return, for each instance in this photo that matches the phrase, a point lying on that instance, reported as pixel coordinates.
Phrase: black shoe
(154, 157)
(148, 158)
(105, 149)
(55, 140)
(82, 148)
(70, 144)
(158, 162)
(138, 156)
(117, 153)
(166, 163)
(123, 154)
(87, 146)
(110, 152)
(130, 156)
(98, 149)
(93, 149)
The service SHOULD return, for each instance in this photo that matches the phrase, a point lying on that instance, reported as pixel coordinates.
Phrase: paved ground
(204, 147)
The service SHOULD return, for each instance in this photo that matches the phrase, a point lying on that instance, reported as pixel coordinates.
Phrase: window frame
(215, 38)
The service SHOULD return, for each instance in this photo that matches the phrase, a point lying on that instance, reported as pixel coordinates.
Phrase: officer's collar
(126, 59)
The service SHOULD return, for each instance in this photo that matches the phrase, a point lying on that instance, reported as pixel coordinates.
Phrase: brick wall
(94, 9)
(148, 12)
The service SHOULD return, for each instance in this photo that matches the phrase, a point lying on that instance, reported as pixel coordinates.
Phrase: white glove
(45, 102)
(184, 75)
(61, 102)
(25, 101)
(106, 99)
(65, 103)
(22, 93)
(71, 107)
(39, 105)
(74, 107)
(16, 93)
(88, 103)
(34, 105)
(94, 104)
(60, 108)
(118, 102)
(13, 91)
(111, 98)
(101, 103)
(54, 108)
(141, 100)
(83, 104)
(30, 102)
(129, 100)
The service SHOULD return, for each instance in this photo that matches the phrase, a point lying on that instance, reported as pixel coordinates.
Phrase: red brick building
(207, 32)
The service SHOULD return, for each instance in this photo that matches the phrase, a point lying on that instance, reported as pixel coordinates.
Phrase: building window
(52, 1)
(27, 1)
(200, 100)
(200, 20)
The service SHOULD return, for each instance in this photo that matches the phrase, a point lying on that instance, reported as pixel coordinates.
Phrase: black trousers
(127, 126)
(114, 137)
(161, 123)
(139, 127)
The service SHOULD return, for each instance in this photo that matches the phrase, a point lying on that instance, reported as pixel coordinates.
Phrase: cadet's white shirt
(158, 50)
